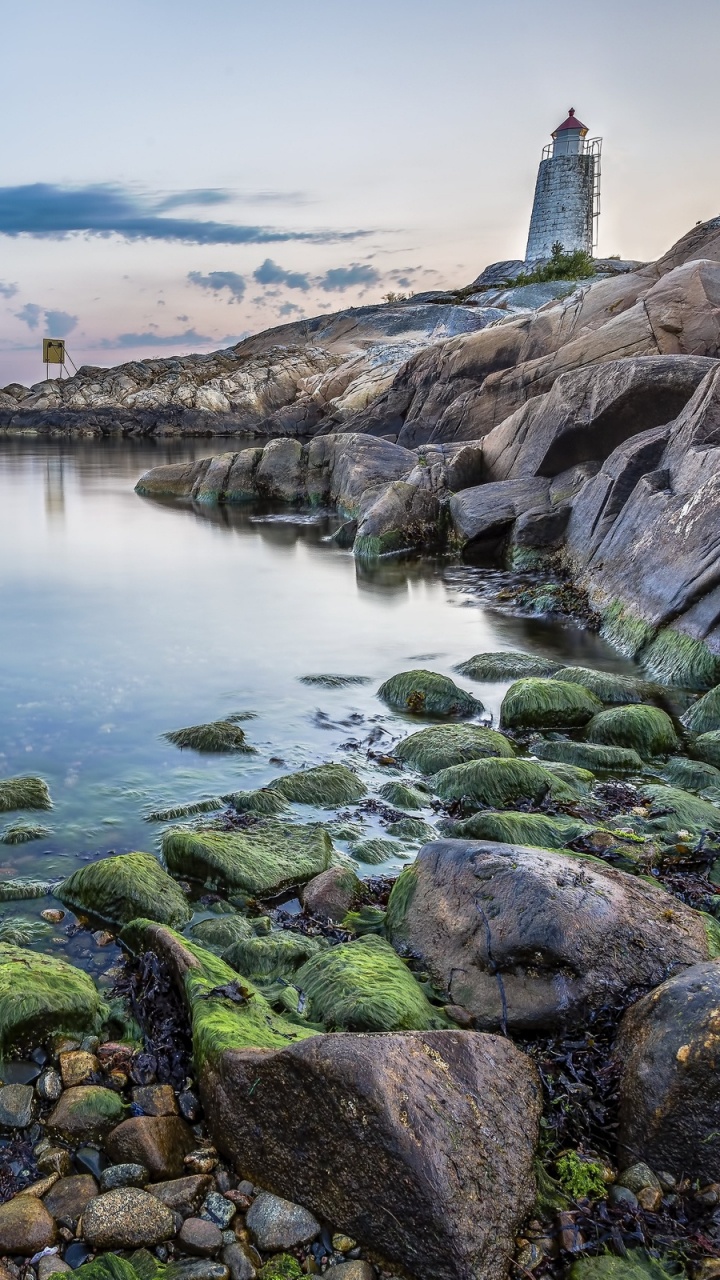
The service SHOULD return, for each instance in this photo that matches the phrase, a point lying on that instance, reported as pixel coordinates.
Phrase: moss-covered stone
(364, 986)
(547, 704)
(636, 1265)
(276, 956)
(707, 747)
(221, 736)
(24, 832)
(426, 693)
(690, 775)
(410, 829)
(265, 801)
(506, 666)
(21, 888)
(259, 860)
(221, 932)
(109, 1266)
(704, 715)
(589, 755)
(24, 793)
(508, 827)
(87, 1111)
(612, 689)
(497, 783)
(40, 995)
(571, 776)
(676, 658)
(117, 889)
(444, 745)
(281, 1267)
(623, 628)
(327, 786)
(676, 810)
(175, 811)
(334, 681)
(402, 796)
(367, 919)
(647, 730)
(374, 850)
(401, 895)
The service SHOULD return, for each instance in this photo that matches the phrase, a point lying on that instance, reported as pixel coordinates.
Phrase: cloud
(288, 309)
(60, 323)
(7, 290)
(49, 211)
(340, 278)
(150, 339)
(272, 273)
(219, 280)
(30, 314)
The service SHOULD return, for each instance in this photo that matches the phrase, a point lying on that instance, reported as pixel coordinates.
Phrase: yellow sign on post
(53, 351)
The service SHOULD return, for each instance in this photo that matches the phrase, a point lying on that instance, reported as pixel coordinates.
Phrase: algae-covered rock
(647, 730)
(704, 715)
(374, 850)
(635, 1265)
(330, 895)
(426, 693)
(117, 889)
(24, 832)
(226, 1011)
(608, 686)
(506, 666)
(258, 860)
(707, 747)
(576, 780)
(520, 828)
(111, 1267)
(334, 681)
(40, 995)
(496, 782)
(676, 810)
(87, 1111)
(327, 786)
(402, 796)
(276, 956)
(20, 888)
(410, 829)
(547, 704)
(217, 736)
(444, 745)
(187, 810)
(589, 755)
(265, 801)
(24, 793)
(690, 775)
(365, 986)
(221, 932)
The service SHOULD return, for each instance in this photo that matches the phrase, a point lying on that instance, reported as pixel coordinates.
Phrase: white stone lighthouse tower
(567, 192)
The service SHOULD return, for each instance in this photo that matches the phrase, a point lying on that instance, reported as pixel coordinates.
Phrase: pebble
(123, 1175)
(42, 1187)
(201, 1270)
(245, 1188)
(650, 1198)
(19, 1072)
(66, 1201)
(707, 1269)
(637, 1177)
(238, 1263)
(189, 1105)
(218, 1210)
(85, 1111)
(90, 1160)
(618, 1195)
(50, 1265)
(183, 1194)
(25, 1226)
(356, 1270)
(55, 1160)
(126, 1218)
(201, 1237)
(49, 1086)
(77, 1066)
(279, 1224)
(155, 1099)
(201, 1161)
(17, 1106)
(53, 915)
(76, 1253)
(343, 1244)
(160, 1143)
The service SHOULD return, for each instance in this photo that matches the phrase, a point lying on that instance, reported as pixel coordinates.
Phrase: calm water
(121, 617)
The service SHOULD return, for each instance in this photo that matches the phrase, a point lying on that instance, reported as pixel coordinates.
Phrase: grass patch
(333, 681)
(24, 832)
(185, 810)
(19, 889)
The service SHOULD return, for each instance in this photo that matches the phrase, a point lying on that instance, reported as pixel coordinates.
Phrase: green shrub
(573, 264)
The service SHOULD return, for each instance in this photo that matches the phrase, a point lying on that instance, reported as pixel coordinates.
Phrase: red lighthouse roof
(571, 123)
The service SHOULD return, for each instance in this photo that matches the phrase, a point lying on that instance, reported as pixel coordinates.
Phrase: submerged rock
(401, 796)
(364, 986)
(265, 801)
(259, 860)
(327, 786)
(117, 889)
(403, 517)
(647, 730)
(608, 686)
(24, 793)
(704, 715)
(534, 939)
(24, 832)
(506, 665)
(443, 745)
(520, 828)
(547, 704)
(374, 850)
(40, 995)
(218, 736)
(428, 693)
(497, 782)
(589, 755)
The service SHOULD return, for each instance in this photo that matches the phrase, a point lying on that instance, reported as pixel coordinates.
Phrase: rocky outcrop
(526, 939)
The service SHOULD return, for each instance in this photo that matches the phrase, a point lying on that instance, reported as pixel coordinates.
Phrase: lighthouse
(567, 192)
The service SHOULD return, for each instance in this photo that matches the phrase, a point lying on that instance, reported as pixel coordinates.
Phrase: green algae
(87, 1111)
(282, 1267)
(690, 775)
(327, 786)
(219, 736)
(221, 932)
(109, 1266)
(441, 746)
(589, 755)
(506, 666)
(676, 658)
(411, 829)
(21, 888)
(21, 932)
(334, 681)
(185, 810)
(635, 1265)
(367, 919)
(507, 827)
(426, 693)
(533, 703)
(704, 715)
(374, 850)
(402, 796)
(609, 687)
(677, 810)
(647, 730)
(277, 956)
(117, 889)
(365, 986)
(24, 832)
(624, 629)
(576, 780)
(24, 793)
(581, 1179)
(258, 860)
(40, 995)
(707, 747)
(496, 783)
(264, 801)
(401, 896)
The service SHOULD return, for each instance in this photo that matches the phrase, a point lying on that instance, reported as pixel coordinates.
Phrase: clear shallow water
(121, 617)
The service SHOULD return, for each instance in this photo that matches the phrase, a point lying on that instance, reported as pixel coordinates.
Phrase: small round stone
(200, 1237)
(218, 1210)
(17, 1106)
(26, 1227)
(123, 1175)
(279, 1224)
(49, 1086)
(127, 1218)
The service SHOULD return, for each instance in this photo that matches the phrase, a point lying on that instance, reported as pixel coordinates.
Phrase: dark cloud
(289, 309)
(272, 273)
(46, 210)
(216, 281)
(340, 278)
(60, 323)
(7, 290)
(30, 314)
(150, 339)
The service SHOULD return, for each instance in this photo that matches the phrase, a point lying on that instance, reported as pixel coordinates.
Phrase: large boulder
(532, 939)
(442, 745)
(486, 512)
(419, 1145)
(668, 1046)
(259, 860)
(403, 517)
(427, 693)
(117, 889)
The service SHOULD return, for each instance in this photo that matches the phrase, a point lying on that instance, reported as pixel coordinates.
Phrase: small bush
(575, 265)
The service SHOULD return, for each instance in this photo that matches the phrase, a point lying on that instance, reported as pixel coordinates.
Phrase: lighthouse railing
(586, 147)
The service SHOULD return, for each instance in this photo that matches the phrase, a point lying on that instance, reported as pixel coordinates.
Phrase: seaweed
(326, 786)
(217, 736)
(533, 703)
(506, 666)
(117, 889)
(334, 681)
(441, 746)
(647, 730)
(24, 793)
(427, 693)
(365, 986)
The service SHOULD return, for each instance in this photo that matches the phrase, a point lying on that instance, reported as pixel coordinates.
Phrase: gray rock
(500, 273)
(126, 1218)
(637, 1177)
(356, 1269)
(623, 1196)
(17, 1106)
(201, 1237)
(203, 1269)
(237, 1262)
(49, 1086)
(51, 1265)
(488, 510)
(185, 1195)
(67, 1200)
(218, 1210)
(403, 517)
(330, 895)
(123, 1175)
(279, 1224)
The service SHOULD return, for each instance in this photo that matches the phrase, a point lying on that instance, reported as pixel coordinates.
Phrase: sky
(175, 176)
